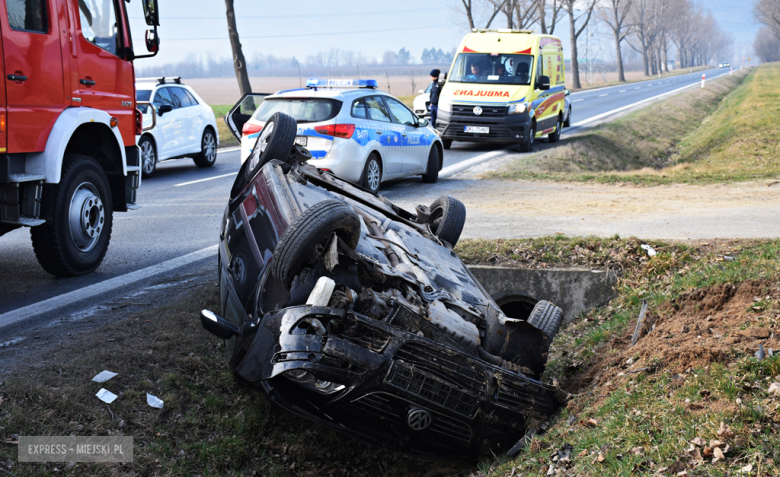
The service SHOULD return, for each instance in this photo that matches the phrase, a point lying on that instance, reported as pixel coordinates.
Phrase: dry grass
(631, 77)
(723, 133)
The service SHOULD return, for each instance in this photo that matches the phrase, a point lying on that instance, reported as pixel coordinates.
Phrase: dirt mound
(715, 324)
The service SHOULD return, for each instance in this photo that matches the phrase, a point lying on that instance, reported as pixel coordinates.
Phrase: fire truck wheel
(208, 150)
(148, 156)
(79, 214)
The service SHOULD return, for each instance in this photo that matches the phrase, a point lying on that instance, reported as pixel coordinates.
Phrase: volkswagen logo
(477, 110)
(419, 419)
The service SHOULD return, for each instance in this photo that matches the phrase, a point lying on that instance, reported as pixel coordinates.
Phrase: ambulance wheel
(372, 173)
(555, 136)
(528, 143)
(78, 213)
(447, 143)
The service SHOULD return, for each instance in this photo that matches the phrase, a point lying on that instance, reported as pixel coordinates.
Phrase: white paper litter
(154, 401)
(649, 249)
(106, 396)
(104, 376)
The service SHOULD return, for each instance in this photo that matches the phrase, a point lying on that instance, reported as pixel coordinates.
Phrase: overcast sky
(305, 27)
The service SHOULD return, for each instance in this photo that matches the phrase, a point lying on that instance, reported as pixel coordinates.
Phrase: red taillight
(337, 130)
(139, 122)
(251, 129)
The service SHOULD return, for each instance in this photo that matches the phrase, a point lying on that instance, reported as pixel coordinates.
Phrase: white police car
(359, 133)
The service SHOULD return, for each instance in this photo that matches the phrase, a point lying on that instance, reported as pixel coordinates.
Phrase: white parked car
(185, 127)
(422, 102)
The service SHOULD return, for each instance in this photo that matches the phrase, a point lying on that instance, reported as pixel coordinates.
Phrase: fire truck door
(32, 55)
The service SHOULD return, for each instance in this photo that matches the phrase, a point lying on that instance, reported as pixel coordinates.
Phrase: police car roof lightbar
(161, 79)
(341, 83)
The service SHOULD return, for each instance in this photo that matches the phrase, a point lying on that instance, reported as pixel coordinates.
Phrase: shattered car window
(307, 110)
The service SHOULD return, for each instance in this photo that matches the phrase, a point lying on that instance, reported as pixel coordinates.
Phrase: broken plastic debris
(760, 354)
(106, 396)
(154, 401)
(650, 251)
(104, 376)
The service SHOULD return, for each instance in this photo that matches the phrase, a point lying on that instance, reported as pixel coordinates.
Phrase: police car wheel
(434, 164)
(447, 143)
(372, 174)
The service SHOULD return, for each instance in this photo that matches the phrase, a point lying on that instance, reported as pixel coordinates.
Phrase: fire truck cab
(68, 122)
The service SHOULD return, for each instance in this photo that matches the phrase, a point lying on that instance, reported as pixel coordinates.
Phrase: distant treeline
(335, 62)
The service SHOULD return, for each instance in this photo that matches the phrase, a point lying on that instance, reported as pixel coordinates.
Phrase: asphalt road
(178, 217)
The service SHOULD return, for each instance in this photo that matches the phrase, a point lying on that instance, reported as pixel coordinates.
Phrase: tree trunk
(239, 63)
(619, 56)
(665, 59)
(645, 59)
(575, 65)
(542, 20)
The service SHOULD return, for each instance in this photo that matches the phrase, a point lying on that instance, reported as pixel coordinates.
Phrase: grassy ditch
(682, 71)
(726, 132)
(691, 375)
(226, 138)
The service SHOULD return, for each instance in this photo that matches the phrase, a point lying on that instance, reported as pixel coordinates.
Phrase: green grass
(226, 138)
(726, 132)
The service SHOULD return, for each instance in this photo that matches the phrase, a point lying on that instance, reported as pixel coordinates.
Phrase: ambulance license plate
(301, 140)
(477, 129)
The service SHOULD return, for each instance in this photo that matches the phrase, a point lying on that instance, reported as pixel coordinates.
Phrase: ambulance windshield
(486, 68)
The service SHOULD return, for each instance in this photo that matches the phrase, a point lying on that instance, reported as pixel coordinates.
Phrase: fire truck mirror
(152, 41)
(151, 13)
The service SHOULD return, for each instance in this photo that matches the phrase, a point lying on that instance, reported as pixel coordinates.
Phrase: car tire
(446, 143)
(555, 136)
(208, 149)
(313, 228)
(567, 123)
(546, 318)
(434, 164)
(372, 173)
(528, 143)
(448, 215)
(278, 137)
(79, 214)
(148, 156)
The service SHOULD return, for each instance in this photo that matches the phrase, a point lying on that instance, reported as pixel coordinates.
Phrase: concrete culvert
(515, 304)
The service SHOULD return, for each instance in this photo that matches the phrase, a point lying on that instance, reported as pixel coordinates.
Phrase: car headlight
(518, 108)
(444, 107)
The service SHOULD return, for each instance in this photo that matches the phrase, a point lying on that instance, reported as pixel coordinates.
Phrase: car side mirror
(164, 108)
(422, 122)
(568, 92)
(421, 91)
(543, 83)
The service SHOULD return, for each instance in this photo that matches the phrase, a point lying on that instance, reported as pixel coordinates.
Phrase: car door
(240, 113)
(414, 155)
(165, 133)
(34, 88)
(387, 133)
(190, 124)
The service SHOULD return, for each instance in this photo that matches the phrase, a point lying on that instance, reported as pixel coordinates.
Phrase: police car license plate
(477, 129)
(301, 140)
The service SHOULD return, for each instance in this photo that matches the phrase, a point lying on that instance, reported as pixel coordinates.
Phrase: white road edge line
(229, 149)
(462, 166)
(204, 180)
(98, 289)
(602, 95)
(576, 100)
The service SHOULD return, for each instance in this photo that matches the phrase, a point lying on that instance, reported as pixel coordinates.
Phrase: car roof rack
(162, 79)
(500, 30)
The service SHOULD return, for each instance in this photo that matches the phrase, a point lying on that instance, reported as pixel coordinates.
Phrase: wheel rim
(558, 128)
(147, 154)
(533, 135)
(262, 144)
(209, 147)
(373, 174)
(86, 217)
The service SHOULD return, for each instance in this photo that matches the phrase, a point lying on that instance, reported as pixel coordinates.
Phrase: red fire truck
(68, 122)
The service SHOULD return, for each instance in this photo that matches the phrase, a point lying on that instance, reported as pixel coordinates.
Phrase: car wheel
(372, 174)
(448, 215)
(555, 136)
(546, 318)
(434, 163)
(275, 142)
(309, 234)
(148, 156)
(447, 143)
(75, 237)
(208, 150)
(528, 144)
(567, 123)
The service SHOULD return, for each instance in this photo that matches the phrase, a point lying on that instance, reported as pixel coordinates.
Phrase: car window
(359, 109)
(143, 94)
(304, 110)
(428, 89)
(193, 101)
(98, 24)
(27, 15)
(401, 115)
(180, 98)
(376, 109)
(162, 96)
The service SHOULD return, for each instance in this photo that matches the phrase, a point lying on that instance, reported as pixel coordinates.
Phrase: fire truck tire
(208, 149)
(79, 217)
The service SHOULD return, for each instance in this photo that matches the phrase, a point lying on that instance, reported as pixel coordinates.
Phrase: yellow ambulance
(504, 86)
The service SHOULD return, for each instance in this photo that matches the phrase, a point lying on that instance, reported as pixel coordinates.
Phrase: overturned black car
(356, 313)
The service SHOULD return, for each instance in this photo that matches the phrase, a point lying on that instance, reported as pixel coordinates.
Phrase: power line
(262, 17)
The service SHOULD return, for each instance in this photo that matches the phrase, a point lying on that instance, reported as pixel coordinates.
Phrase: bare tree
(239, 63)
(554, 8)
(472, 9)
(767, 46)
(615, 14)
(768, 13)
(577, 25)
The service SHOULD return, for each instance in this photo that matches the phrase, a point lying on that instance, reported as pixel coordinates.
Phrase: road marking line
(98, 289)
(229, 149)
(638, 87)
(576, 100)
(462, 166)
(602, 95)
(204, 180)
(622, 91)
